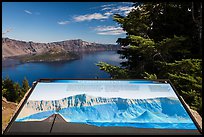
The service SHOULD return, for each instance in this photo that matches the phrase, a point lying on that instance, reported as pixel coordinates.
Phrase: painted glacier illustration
(159, 112)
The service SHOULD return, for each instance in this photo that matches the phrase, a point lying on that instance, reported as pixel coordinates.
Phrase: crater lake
(85, 67)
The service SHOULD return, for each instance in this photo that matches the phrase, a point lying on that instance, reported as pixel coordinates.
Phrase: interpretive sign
(137, 106)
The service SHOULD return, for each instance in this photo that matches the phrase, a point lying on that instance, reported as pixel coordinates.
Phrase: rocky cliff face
(114, 111)
(83, 100)
(12, 47)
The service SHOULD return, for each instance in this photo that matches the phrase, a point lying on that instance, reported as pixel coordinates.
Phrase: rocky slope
(11, 47)
(8, 109)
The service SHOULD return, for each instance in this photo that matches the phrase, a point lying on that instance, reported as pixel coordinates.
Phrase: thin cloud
(125, 8)
(108, 5)
(27, 11)
(128, 3)
(122, 10)
(109, 30)
(106, 28)
(63, 22)
(113, 32)
(88, 17)
(106, 8)
(108, 13)
(103, 6)
(7, 31)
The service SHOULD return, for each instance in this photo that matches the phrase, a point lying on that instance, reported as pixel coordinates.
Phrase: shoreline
(17, 60)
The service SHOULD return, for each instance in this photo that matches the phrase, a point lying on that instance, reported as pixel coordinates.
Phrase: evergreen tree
(163, 41)
(13, 91)
(186, 75)
(10, 93)
(17, 92)
(25, 85)
(4, 90)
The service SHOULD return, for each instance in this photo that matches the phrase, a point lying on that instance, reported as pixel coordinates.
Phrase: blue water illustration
(161, 113)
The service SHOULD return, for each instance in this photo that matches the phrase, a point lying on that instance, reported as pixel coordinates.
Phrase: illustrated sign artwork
(105, 103)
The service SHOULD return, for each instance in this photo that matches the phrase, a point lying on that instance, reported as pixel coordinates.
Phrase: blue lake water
(81, 68)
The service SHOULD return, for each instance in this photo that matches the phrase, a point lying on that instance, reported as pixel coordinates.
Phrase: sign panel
(135, 104)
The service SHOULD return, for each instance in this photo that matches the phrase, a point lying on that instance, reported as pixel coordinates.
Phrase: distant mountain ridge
(11, 47)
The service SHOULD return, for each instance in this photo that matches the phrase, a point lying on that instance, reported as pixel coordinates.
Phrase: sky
(57, 21)
(47, 91)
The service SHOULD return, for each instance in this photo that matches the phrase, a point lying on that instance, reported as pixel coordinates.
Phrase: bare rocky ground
(8, 109)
